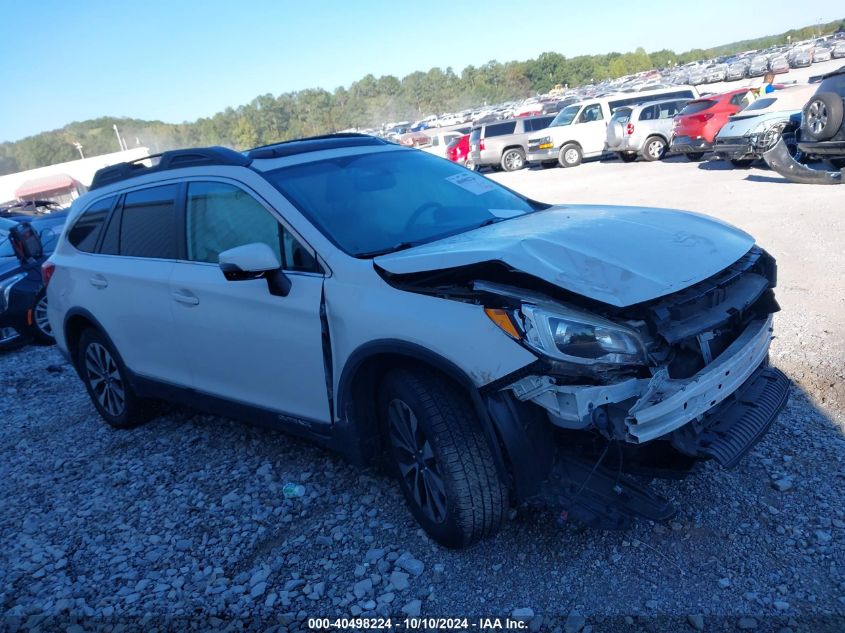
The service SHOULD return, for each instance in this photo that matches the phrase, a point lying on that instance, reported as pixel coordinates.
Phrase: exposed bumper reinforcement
(779, 159)
(669, 404)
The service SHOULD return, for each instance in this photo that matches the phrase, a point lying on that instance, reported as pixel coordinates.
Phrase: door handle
(186, 297)
(98, 281)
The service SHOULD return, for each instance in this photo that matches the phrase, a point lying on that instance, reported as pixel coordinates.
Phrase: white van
(580, 130)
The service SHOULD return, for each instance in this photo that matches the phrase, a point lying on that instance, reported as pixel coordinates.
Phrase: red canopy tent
(47, 186)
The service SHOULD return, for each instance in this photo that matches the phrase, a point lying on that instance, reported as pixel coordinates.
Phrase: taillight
(629, 128)
(705, 117)
(480, 144)
(47, 270)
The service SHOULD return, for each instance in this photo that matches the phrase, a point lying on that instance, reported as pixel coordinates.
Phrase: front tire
(570, 155)
(440, 455)
(627, 157)
(694, 157)
(106, 380)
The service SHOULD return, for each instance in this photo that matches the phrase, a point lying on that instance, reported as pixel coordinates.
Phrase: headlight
(544, 143)
(581, 338)
(6, 288)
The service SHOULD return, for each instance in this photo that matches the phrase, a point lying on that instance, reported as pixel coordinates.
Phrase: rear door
(243, 343)
(126, 284)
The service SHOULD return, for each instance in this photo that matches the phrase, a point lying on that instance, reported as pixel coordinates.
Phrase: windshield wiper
(401, 246)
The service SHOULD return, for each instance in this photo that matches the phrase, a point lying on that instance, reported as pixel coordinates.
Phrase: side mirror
(26, 243)
(255, 261)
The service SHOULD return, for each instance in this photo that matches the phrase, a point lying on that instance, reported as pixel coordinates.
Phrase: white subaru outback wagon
(491, 350)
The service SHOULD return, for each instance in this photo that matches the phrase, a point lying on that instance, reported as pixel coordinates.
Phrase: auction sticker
(472, 183)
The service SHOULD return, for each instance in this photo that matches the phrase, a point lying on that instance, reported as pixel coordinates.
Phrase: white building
(62, 182)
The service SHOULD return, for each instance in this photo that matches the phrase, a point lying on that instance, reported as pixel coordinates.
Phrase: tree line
(368, 102)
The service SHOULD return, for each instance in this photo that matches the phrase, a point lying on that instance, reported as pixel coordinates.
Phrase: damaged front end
(779, 159)
(653, 388)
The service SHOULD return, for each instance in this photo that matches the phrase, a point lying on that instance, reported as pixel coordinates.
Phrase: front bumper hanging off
(779, 159)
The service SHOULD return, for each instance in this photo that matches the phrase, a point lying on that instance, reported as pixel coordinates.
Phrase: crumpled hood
(617, 255)
(739, 124)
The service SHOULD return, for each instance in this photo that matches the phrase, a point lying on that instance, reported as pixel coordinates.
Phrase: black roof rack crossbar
(173, 159)
(314, 144)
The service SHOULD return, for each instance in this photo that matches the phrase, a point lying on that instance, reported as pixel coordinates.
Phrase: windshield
(566, 116)
(376, 203)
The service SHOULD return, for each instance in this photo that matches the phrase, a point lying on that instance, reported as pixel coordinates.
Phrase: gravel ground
(185, 521)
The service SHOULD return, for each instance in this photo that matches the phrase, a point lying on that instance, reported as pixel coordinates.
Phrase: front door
(590, 129)
(243, 343)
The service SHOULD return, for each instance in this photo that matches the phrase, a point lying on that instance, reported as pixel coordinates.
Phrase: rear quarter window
(85, 232)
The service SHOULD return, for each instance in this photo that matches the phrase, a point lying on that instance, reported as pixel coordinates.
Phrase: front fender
(780, 160)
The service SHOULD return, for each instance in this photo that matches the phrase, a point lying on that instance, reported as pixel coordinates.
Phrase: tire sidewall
(448, 532)
(834, 106)
(125, 420)
(648, 142)
(40, 336)
(562, 155)
(516, 152)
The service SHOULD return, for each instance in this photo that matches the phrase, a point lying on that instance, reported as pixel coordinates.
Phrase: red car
(698, 123)
(458, 150)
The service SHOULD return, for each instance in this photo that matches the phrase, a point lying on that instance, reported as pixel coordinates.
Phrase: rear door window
(87, 229)
(500, 129)
(148, 224)
(648, 113)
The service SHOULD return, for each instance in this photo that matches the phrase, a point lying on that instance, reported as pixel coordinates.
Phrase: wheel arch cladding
(358, 389)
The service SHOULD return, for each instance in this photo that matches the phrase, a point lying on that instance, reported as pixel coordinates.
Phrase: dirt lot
(184, 522)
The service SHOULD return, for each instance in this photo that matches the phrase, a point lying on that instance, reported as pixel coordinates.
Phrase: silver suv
(503, 144)
(643, 130)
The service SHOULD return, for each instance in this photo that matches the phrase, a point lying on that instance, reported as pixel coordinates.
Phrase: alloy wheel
(104, 379)
(817, 116)
(513, 161)
(39, 317)
(655, 149)
(418, 466)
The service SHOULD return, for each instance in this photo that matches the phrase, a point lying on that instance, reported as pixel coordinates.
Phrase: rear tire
(570, 155)
(695, 156)
(627, 157)
(440, 455)
(107, 382)
(513, 159)
(40, 330)
(654, 148)
(742, 163)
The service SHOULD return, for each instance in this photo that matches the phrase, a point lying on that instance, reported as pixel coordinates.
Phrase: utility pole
(120, 142)
(78, 147)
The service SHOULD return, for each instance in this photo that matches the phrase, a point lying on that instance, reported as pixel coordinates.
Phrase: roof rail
(173, 159)
(314, 144)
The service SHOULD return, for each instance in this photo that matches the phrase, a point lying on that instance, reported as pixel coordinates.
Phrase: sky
(178, 60)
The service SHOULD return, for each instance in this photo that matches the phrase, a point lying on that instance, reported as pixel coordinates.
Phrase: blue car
(25, 243)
